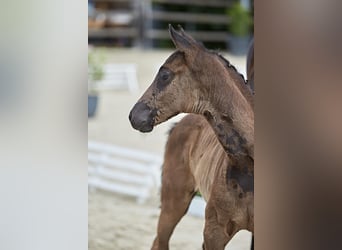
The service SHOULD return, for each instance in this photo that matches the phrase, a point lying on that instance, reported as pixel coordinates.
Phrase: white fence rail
(123, 170)
(119, 76)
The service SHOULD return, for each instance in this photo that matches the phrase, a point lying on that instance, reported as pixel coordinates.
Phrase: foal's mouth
(145, 128)
(158, 119)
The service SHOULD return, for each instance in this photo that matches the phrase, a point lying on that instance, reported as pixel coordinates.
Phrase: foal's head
(182, 85)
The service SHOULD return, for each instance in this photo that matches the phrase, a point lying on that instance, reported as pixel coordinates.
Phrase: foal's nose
(141, 117)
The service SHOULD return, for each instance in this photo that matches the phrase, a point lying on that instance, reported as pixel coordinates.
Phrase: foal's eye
(165, 75)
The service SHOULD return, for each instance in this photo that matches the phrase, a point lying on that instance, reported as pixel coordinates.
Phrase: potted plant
(95, 74)
(239, 28)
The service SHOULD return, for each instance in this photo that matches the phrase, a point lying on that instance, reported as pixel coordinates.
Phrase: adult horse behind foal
(250, 65)
(194, 80)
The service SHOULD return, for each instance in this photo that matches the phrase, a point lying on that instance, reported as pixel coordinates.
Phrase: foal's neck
(230, 113)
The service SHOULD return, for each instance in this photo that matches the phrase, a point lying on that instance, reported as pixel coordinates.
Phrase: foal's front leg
(216, 235)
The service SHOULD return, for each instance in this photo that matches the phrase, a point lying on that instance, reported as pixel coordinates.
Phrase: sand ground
(117, 222)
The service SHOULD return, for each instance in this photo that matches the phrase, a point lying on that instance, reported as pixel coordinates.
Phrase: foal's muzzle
(142, 117)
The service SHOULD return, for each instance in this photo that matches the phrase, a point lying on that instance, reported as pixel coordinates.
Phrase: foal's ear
(189, 38)
(180, 40)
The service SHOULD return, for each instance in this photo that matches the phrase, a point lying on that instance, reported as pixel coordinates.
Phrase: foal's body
(195, 80)
(193, 167)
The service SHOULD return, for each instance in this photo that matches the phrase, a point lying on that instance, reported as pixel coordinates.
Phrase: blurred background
(45, 160)
(128, 42)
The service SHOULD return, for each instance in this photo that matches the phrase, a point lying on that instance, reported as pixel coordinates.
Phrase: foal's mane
(245, 88)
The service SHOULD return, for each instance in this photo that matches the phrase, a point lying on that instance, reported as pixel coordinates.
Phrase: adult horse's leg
(178, 189)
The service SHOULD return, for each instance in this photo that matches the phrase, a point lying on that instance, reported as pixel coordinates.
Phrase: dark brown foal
(194, 80)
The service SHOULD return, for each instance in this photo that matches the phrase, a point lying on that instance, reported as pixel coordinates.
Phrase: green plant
(241, 20)
(96, 61)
